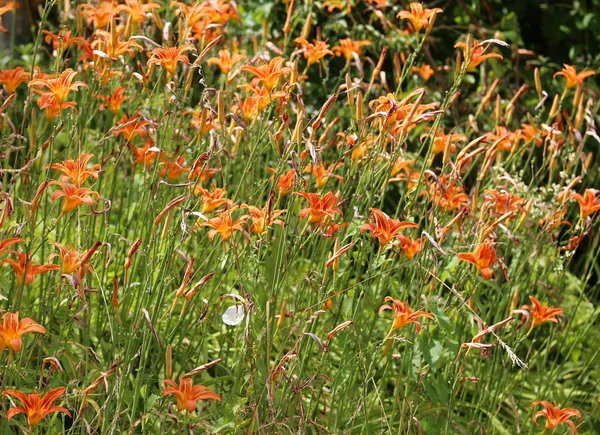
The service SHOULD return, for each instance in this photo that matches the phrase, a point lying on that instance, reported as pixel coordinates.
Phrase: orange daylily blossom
(589, 203)
(332, 228)
(262, 96)
(24, 268)
(402, 171)
(76, 171)
(136, 9)
(12, 78)
(60, 86)
(62, 39)
(395, 113)
(223, 225)
(117, 98)
(212, 200)
(210, 120)
(384, 227)
(425, 71)
(449, 197)
(350, 48)
(477, 52)
(323, 172)
(187, 395)
(35, 406)
(418, 16)
(539, 313)
(555, 415)
(168, 57)
(529, 133)
(7, 243)
(285, 182)
(403, 315)
(263, 218)
(504, 139)
(11, 331)
(173, 169)
(484, 257)
(570, 74)
(48, 102)
(10, 6)
(131, 126)
(505, 202)
(99, 16)
(409, 246)
(225, 61)
(268, 73)
(440, 140)
(74, 196)
(144, 155)
(320, 208)
(332, 5)
(314, 52)
(113, 47)
(203, 174)
(74, 261)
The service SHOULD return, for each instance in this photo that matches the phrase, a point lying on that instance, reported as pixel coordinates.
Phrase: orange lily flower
(483, 258)
(12, 78)
(555, 415)
(314, 52)
(10, 6)
(113, 47)
(225, 61)
(203, 174)
(285, 182)
(59, 87)
(418, 16)
(74, 196)
(570, 73)
(477, 51)
(349, 48)
(440, 139)
(11, 331)
(539, 313)
(409, 246)
(263, 218)
(505, 202)
(187, 395)
(268, 73)
(448, 198)
(76, 171)
(403, 315)
(101, 15)
(212, 200)
(322, 172)
(588, 203)
(117, 98)
(223, 225)
(136, 9)
(62, 38)
(320, 208)
(144, 155)
(262, 96)
(384, 227)
(25, 269)
(173, 169)
(425, 71)
(48, 102)
(7, 243)
(131, 126)
(168, 57)
(394, 112)
(35, 406)
(73, 261)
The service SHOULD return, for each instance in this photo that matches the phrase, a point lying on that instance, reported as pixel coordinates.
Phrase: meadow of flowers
(299, 217)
